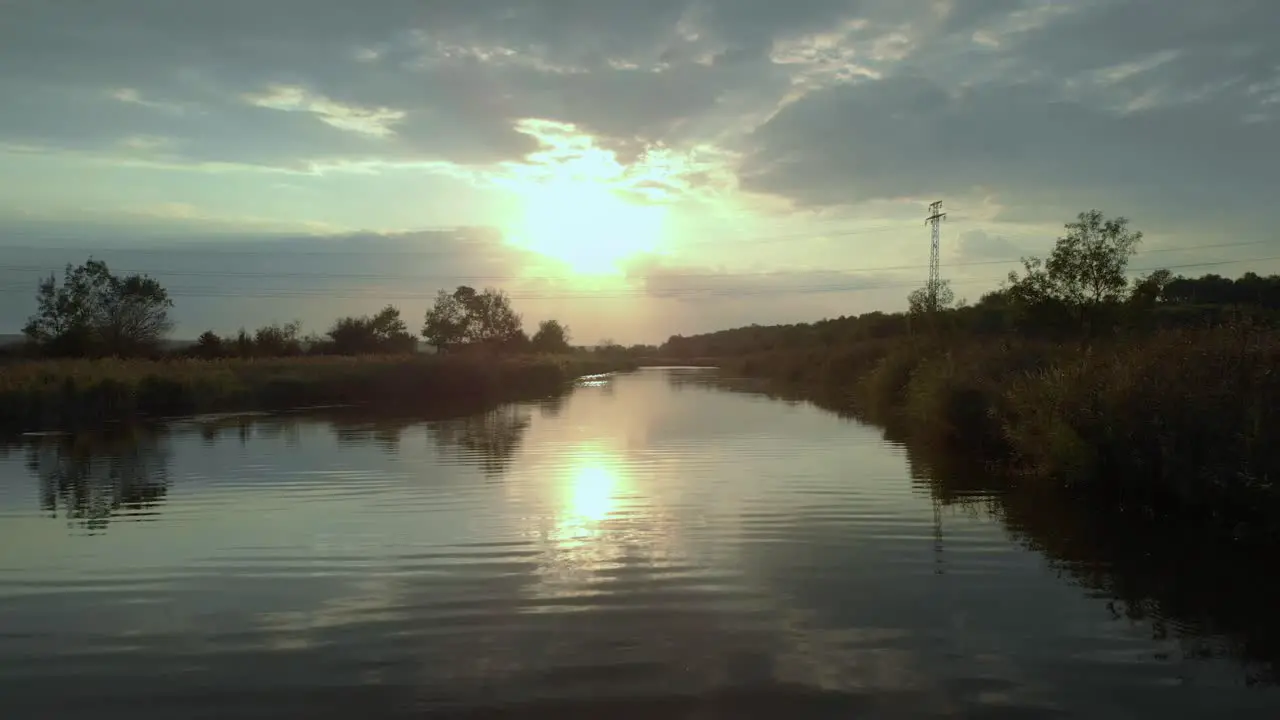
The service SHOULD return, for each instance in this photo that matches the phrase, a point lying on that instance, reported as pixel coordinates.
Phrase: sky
(634, 169)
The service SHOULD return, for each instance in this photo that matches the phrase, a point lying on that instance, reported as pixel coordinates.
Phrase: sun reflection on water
(592, 492)
(589, 491)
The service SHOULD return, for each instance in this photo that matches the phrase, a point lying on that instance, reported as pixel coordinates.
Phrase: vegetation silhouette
(552, 337)
(475, 319)
(93, 356)
(383, 333)
(1070, 374)
(95, 313)
(69, 394)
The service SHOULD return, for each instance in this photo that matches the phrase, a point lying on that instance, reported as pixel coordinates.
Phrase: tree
(384, 332)
(1085, 271)
(1149, 290)
(96, 312)
(931, 298)
(244, 343)
(278, 340)
(209, 345)
(467, 316)
(552, 337)
(492, 321)
(608, 346)
(447, 320)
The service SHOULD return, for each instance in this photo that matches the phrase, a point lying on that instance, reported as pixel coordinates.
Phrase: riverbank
(1184, 421)
(86, 393)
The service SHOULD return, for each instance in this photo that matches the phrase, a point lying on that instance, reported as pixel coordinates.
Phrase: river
(657, 544)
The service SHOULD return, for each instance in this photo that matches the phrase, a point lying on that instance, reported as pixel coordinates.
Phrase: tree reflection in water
(551, 407)
(1210, 594)
(91, 478)
(384, 432)
(1184, 582)
(490, 439)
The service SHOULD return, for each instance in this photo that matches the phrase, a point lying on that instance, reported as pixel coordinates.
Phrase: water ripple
(650, 545)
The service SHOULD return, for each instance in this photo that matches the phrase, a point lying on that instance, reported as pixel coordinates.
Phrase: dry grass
(75, 393)
(1182, 419)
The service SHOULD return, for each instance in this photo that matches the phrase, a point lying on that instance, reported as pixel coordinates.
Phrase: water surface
(660, 544)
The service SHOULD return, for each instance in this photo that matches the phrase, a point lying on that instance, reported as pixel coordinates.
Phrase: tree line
(1081, 290)
(94, 312)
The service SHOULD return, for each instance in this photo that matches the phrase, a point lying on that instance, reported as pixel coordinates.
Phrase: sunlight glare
(591, 493)
(579, 205)
(586, 225)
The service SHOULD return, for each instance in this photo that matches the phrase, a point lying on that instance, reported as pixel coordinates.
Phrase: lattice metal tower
(936, 216)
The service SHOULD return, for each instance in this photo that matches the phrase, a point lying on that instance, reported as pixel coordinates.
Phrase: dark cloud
(461, 72)
(908, 137)
(749, 27)
(456, 75)
(1154, 106)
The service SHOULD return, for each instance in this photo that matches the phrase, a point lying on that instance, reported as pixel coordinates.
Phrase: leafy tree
(467, 316)
(1084, 273)
(447, 321)
(552, 337)
(931, 298)
(492, 319)
(209, 345)
(1149, 290)
(384, 332)
(96, 312)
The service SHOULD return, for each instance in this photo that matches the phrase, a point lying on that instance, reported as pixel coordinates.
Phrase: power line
(458, 238)
(242, 274)
(845, 286)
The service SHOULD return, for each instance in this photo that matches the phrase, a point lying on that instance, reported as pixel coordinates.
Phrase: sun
(585, 224)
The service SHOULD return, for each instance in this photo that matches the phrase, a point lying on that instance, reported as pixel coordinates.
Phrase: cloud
(1162, 110)
(447, 79)
(907, 136)
(375, 121)
(133, 97)
(1144, 107)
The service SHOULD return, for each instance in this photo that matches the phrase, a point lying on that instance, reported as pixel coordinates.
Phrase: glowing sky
(636, 169)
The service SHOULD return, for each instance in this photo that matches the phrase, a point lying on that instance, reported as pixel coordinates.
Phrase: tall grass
(1189, 417)
(78, 393)
(1178, 420)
